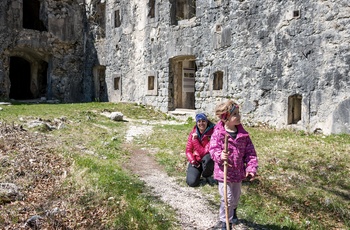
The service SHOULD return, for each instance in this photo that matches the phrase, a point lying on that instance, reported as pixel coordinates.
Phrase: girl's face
(235, 118)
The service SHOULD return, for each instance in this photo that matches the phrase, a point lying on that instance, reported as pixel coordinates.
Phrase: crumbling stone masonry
(42, 50)
(286, 62)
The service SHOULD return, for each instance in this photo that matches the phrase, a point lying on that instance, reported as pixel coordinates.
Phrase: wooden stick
(225, 184)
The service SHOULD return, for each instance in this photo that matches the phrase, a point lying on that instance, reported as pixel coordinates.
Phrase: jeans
(205, 169)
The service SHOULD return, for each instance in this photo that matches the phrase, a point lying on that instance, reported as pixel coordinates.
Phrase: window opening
(294, 109)
(218, 80)
(152, 7)
(101, 19)
(182, 10)
(185, 9)
(117, 20)
(150, 82)
(31, 16)
(296, 14)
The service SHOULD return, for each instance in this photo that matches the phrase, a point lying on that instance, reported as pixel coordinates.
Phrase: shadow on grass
(312, 205)
(252, 225)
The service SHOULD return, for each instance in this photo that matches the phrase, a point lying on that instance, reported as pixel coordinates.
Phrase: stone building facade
(286, 62)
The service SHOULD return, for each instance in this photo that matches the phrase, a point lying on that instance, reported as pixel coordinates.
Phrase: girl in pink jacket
(241, 157)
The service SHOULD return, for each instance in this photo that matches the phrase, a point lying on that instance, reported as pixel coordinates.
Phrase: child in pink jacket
(241, 157)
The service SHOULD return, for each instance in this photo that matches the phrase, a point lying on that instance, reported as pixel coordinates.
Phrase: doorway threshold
(183, 114)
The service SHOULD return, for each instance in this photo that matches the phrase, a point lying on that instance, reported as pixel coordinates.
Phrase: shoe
(223, 226)
(211, 181)
(202, 181)
(234, 218)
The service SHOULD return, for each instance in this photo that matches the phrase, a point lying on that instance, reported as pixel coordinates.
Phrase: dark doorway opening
(20, 75)
(31, 15)
(100, 83)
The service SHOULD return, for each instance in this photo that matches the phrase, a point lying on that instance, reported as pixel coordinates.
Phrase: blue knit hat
(201, 116)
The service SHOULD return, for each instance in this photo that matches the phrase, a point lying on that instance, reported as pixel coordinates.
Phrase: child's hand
(250, 176)
(224, 155)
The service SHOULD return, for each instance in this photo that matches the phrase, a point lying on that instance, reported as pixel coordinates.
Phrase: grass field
(303, 182)
(96, 192)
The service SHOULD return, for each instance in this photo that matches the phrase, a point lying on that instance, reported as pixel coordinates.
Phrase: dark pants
(194, 174)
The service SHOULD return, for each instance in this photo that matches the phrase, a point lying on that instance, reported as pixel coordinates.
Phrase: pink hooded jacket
(242, 156)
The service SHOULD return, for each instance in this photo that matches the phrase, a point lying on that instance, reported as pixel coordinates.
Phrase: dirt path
(194, 211)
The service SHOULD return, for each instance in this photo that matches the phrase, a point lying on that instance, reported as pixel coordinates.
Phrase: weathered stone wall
(61, 46)
(266, 52)
(271, 55)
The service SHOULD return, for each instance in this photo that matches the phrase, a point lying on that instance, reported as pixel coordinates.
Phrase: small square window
(296, 14)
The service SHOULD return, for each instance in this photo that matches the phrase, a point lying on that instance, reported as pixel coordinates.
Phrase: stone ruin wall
(57, 46)
(267, 53)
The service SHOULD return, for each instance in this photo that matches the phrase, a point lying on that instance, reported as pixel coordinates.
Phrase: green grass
(77, 111)
(303, 182)
(171, 140)
(97, 188)
(132, 207)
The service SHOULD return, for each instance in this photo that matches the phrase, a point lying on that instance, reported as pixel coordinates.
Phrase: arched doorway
(20, 77)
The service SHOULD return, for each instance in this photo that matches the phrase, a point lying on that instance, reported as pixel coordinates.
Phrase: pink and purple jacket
(196, 149)
(242, 156)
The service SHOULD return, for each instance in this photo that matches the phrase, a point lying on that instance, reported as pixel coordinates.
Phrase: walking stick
(225, 184)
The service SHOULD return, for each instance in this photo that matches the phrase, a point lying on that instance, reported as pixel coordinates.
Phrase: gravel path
(194, 211)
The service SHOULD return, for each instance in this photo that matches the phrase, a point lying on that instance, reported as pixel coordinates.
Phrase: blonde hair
(224, 109)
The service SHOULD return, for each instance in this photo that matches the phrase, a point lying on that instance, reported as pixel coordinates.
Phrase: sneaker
(235, 218)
